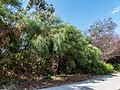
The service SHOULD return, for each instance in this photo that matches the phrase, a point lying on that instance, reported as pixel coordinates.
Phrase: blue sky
(83, 13)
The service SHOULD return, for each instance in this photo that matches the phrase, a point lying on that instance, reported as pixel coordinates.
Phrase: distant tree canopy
(102, 34)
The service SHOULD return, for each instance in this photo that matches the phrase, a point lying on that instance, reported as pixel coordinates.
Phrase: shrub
(23, 65)
(54, 50)
(64, 46)
(67, 51)
(101, 67)
(93, 64)
(116, 67)
(96, 68)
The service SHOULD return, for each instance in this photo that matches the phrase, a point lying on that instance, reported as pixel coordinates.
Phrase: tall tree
(11, 16)
(102, 32)
(7, 20)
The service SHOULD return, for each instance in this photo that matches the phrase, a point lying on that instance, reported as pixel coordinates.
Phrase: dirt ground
(56, 81)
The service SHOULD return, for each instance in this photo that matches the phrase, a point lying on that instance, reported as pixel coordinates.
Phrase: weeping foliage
(59, 41)
(44, 45)
(72, 50)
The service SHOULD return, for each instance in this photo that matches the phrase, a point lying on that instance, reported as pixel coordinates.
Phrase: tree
(12, 19)
(38, 43)
(15, 49)
(7, 20)
(101, 33)
(103, 36)
(64, 48)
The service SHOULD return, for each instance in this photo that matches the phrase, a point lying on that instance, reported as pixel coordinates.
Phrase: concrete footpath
(106, 82)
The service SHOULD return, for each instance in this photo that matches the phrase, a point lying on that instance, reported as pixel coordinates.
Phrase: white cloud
(116, 10)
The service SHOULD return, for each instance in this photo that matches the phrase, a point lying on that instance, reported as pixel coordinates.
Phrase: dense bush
(62, 46)
(94, 64)
(102, 35)
(67, 51)
(22, 65)
(46, 46)
(96, 68)
(116, 67)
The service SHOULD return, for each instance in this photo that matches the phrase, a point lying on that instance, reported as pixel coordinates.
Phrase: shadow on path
(88, 84)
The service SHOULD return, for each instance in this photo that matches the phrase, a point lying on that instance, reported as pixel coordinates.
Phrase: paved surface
(107, 82)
